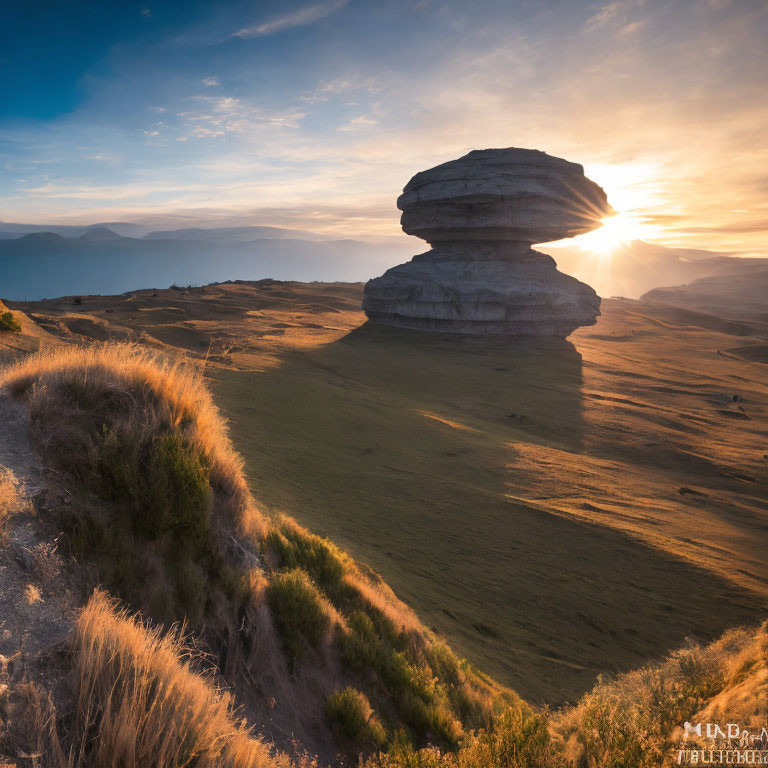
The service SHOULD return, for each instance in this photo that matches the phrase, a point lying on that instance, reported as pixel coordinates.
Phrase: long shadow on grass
(394, 445)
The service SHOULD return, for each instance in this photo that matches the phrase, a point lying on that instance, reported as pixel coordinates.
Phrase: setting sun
(615, 231)
(634, 192)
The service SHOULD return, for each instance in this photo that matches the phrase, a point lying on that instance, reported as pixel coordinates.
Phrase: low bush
(361, 645)
(300, 612)
(9, 323)
(628, 721)
(518, 739)
(352, 716)
(161, 482)
(322, 560)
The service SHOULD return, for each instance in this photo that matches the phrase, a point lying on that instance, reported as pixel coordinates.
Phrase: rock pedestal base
(512, 294)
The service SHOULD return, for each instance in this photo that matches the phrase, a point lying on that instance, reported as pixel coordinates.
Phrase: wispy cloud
(616, 13)
(227, 115)
(342, 86)
(69, 190)
(306, 15)
(358, 123)
(211, 81)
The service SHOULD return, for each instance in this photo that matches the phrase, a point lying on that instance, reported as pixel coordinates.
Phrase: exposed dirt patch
(36, 606)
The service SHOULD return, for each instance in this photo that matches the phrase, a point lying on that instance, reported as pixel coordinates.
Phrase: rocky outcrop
(481, 213)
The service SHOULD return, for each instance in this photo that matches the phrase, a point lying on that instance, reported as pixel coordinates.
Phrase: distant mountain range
(98, 259)
(735, 293)
(11, 230)
(39, 262)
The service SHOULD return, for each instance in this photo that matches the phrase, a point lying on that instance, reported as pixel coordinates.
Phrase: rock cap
(502, 194)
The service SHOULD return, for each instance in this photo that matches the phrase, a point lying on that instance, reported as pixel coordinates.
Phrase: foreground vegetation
(147, 455)
(633, 720)
(142, 701)
(9, 323)
(165, 521)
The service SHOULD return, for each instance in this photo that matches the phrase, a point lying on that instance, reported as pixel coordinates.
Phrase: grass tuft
(301, 613)
(352, 716)
(140, 703)
(143, 445)
(10, 500)
(126, 386)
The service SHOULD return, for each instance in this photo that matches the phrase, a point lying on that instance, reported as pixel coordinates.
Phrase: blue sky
(315, 114)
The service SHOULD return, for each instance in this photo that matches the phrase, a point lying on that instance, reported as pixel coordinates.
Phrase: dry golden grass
(637, 717)
(743, 658)
(9, 495)
(154, 392)
(139, 439)
(141, 704)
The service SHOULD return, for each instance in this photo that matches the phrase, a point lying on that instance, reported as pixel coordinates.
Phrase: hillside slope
(145, 496)
(317, 652)
(554, 513)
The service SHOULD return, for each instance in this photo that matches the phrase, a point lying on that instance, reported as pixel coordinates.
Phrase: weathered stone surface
(502, 194)
(481, 213)
(524, 296)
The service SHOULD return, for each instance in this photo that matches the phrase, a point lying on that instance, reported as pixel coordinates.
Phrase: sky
(314, 114)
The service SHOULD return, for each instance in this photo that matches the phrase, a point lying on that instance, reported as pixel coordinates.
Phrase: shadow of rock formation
(397, 446)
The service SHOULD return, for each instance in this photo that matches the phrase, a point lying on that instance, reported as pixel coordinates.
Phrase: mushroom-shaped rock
(481, 213)
(502, 194)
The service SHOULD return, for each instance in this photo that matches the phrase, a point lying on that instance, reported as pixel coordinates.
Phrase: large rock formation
(481, 213)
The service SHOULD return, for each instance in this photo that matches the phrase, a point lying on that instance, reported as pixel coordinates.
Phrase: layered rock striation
(481, 214)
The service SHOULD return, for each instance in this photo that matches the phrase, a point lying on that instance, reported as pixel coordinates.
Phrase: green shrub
(444, 663)
(405, 677)
(352, 716)
(322, 560)
(162, 483)
(299, 610)
(518, 739)
(9, 323)
(362, 645)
